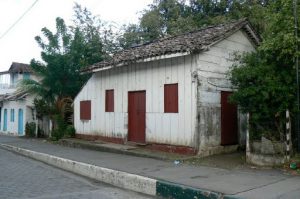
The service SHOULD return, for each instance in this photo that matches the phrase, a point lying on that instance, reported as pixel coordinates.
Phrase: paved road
(21, 177)
(243, 183)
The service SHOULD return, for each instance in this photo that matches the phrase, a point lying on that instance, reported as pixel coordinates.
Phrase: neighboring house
(16, 108)
(170, 94)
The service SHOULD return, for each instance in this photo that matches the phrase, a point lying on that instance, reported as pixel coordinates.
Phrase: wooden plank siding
(85, 110)
(109, 100)
(151, 76)
(213, 66)
(183, 128)
(171, 98)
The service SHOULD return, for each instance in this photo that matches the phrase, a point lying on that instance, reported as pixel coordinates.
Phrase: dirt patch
(293, 167)
(226, 161)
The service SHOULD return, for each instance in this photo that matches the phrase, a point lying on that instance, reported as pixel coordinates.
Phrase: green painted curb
(231, 197)
(177, 191)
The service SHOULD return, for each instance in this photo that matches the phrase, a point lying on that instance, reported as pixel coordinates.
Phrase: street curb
(173, 190)
(116, 178)
(121, 179)
(230, 197)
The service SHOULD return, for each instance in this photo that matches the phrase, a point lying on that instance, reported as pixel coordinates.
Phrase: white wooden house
(170, 94)
(16, 108)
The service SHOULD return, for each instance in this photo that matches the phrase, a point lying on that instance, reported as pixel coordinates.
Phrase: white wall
(181, 128)
(169, 128)
(20, 76)
(6, 86)
(213, 66)
(12, 127)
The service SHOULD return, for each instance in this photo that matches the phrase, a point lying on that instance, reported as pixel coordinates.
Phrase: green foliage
(70, 131)
(265, 79)
(30, 129)
(60, 127)
(41, 107)
(64, 52)
(62, 130)
(166, 17)
(41, 133)
(172, 17)
(279, 39)
(265, 91)
(132, 36)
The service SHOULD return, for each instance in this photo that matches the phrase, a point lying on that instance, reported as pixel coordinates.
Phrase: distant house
(16, 108)
(170, 94)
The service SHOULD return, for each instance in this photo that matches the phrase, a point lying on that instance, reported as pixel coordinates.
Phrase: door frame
(5, 119)
(128, 111)
(234, 134)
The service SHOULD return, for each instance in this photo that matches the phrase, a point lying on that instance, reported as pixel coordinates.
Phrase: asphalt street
(21, 177)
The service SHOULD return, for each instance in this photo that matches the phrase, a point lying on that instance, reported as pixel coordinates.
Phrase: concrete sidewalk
(159, 177)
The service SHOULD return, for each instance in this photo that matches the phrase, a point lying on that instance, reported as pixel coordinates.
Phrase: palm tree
(64, 53)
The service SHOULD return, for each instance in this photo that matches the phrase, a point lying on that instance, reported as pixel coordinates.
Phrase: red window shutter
(171, 98)
(85, 110)
(109, 101)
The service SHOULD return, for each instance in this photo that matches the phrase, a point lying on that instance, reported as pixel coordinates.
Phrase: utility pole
(295, 2)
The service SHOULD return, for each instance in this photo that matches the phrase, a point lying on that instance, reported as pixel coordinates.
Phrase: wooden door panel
(137, 116)
(229, 131)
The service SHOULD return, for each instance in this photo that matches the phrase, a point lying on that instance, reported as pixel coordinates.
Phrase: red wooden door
(137, 116)
(229, 131)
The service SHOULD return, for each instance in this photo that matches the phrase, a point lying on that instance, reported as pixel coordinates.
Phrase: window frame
(85, 109)
(171, 96)
(109, 100)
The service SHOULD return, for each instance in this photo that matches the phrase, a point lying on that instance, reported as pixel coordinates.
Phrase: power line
(18, 20)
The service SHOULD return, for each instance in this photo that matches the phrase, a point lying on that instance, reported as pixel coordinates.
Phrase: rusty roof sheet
(190, 42)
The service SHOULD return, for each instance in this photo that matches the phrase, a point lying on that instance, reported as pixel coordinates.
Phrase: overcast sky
(19, 45)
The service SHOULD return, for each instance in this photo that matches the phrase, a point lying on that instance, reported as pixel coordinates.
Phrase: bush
(265, 90)
(30, 129)
(70, 132)
(56, 134)
(41, 133)
(62, 129)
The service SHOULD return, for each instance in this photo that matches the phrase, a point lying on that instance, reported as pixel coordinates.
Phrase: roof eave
(244, 25)
(110, 66)
(252, 34)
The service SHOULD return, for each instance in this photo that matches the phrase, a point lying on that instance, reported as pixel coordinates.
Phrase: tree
(172, 17)
(64, 53)
(266, 91)
(265, 79)
(98, 35)
(132, 36)
(166, 17)
(214, 12)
